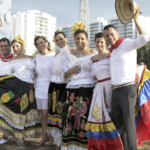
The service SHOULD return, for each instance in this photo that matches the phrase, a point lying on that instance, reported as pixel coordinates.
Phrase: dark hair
(80, 31)
(5, 40)
(45, 39)
(15, 41)
(57, 32)
(109, 26)
(98, 35)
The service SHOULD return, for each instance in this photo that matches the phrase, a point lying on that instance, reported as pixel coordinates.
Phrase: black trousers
(123, 114)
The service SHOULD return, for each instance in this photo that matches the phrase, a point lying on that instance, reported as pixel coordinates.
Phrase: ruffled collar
(120, 40)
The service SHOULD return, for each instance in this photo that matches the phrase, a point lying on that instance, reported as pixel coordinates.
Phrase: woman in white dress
(57, 89)
(101, 132)
(43, 70)
(79, 93)
(18, 111)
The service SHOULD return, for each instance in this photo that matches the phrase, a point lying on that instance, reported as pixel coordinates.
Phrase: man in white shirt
(5, 54)
(123, 67)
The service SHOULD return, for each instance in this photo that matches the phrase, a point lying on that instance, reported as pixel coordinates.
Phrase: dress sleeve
(66, 62)
(136, 43)
(55, 66)
(7, 70)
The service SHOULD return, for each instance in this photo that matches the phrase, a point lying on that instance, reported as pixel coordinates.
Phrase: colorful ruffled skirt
(77, 108)
(57, 103)
(101, 131)
(18, 113)
(142, 110)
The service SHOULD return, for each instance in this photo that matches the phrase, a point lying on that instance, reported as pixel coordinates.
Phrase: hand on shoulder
(101, 56)
(93, 58)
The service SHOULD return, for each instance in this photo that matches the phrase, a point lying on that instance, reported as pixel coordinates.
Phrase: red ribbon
(104, 80)
(120, 40)
(6, 59)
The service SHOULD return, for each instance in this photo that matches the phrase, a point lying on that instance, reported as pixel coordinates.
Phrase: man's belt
(122, 85)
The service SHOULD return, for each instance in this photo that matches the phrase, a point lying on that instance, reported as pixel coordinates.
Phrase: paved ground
(33, 145)
(145, 146)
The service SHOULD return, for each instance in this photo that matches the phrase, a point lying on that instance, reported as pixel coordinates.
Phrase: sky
(67, 11)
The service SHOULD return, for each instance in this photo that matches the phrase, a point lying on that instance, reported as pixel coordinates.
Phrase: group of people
(83, 98)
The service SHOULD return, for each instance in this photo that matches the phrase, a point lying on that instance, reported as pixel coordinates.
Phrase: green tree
(143, 55)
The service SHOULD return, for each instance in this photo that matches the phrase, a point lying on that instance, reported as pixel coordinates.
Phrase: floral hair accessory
(21, 41)
(57, 31)
(76, 27)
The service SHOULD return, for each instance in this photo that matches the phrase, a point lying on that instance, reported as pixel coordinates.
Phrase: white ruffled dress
(79, 94)
(101, 132)
(18, 111)
(57, 92)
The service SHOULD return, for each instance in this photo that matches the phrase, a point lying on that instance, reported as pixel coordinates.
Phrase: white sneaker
(3, 141)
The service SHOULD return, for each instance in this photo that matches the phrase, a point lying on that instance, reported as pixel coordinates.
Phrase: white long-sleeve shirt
(2, 64)
(123, 60)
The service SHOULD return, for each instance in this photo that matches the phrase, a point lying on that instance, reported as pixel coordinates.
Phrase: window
(94, 24)
(130, 36)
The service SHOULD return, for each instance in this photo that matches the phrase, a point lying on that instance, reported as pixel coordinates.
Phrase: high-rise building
(31, 24)
(67, 31)
(127, 31)
(95, 27)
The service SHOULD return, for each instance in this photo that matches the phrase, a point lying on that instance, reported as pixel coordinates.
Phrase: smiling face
(81, 41)
(5, 48)
(17, 48)
(111, 36)
(60, 40)
(100, 44)
(41, 45)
